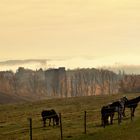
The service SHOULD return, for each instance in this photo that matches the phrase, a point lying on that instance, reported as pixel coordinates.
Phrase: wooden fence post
(85, 125)
(30, 131)
(61, 130)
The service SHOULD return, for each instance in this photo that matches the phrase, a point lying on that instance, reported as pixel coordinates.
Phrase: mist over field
(114, 63)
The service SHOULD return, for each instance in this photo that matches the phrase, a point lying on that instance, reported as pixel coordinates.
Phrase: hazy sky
(92, 29)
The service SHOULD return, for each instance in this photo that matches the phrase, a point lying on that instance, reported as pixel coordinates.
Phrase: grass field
(14, 124)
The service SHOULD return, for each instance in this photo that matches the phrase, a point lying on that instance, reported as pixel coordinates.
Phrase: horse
(50, 114)
(123, 103)
(132, 104)
(110, 109)
(106, 112)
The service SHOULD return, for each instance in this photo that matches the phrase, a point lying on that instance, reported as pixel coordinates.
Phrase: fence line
(94, 110)
(61, 130)
(86, 115)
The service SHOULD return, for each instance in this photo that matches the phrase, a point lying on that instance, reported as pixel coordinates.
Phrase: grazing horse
(132, 104)
(106, 112)
(110, 109)
(50, 114)
(123, 102)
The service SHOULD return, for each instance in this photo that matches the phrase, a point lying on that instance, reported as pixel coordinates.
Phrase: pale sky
(96, 29)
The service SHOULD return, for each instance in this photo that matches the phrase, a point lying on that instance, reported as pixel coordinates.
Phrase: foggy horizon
(114, 64)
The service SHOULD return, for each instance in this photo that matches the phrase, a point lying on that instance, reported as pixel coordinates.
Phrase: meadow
(14, 123)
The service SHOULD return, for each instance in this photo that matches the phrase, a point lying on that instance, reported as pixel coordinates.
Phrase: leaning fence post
(61, 130)
(85, 129)
(30, 123)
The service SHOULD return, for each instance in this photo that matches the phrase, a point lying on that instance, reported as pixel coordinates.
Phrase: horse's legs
(123, 112)
(120, 115)
(103, 120)
(133, 111)
(49, 121)
(111, 118)
(119, 118)
(44, 122)
(53, 122)
(106, 119)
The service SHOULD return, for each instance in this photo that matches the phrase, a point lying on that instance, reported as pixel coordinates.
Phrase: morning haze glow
(99, 32)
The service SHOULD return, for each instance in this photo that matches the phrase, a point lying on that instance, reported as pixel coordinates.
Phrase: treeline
(130, 84)
(62, 83)
(83, 82)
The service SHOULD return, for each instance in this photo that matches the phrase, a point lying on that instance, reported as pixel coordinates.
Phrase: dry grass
(15, 126)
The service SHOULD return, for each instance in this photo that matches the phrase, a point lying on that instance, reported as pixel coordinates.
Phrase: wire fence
(68, 121)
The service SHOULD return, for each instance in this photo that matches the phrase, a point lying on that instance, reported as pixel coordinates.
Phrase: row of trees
(83, 82)
(62, 83)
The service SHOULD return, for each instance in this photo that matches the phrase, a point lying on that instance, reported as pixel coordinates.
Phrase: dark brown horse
(50, 114)
(110, 109)
(132, 104)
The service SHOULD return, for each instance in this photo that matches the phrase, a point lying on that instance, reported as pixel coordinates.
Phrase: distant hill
(6, 98)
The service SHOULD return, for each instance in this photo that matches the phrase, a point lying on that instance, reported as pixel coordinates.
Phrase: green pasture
(14, 123)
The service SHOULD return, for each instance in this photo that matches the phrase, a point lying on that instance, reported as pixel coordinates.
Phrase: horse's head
(124, 99)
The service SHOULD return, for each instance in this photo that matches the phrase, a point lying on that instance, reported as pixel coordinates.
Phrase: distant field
(15, 126)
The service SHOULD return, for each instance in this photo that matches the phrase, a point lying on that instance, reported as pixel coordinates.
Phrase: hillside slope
(6, 98)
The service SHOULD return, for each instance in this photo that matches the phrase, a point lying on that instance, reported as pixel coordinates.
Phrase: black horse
(106, 112)
(50, 114)
(110, 109)
(132, 104)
